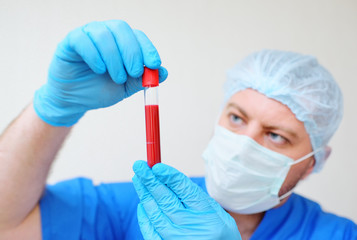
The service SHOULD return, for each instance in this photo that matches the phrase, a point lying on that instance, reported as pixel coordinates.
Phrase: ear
(310, 169)
(328, 151)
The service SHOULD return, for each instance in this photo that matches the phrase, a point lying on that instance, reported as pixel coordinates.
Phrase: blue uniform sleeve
(76, 209)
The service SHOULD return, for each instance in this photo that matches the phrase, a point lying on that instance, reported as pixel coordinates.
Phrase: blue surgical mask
(243, 176)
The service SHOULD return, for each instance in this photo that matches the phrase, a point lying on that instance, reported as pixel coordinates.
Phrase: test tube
(151, 83)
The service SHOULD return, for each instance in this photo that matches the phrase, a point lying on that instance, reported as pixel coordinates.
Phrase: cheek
(300, 169)
(296, 173)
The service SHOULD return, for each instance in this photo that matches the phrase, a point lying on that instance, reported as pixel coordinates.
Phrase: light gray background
(198, 41)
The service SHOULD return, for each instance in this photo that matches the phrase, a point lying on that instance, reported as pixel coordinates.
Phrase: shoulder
(321, 223)
(301, 218)
(313, 208)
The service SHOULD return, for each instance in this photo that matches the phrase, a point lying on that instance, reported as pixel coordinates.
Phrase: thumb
(190, 194)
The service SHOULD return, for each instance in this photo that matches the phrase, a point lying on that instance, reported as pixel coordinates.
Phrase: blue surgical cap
(299, 82)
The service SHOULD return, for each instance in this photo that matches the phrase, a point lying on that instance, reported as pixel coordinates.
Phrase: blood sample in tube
(150, 84)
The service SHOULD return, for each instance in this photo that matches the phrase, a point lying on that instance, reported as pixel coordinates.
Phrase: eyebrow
(238, 108)
(284, 129)
(270, 127)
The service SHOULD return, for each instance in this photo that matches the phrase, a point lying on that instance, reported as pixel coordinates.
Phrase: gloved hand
(173, 207)
(95, 66)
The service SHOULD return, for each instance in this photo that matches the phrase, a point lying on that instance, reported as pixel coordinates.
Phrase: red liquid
(152, 134)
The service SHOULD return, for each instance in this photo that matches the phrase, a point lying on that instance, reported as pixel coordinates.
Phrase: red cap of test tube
(150, 77)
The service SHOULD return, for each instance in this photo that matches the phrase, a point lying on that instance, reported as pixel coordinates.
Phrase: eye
(235, 119)
(277, 139)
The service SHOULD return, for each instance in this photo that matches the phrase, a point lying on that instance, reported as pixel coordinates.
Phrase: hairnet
(297, 81)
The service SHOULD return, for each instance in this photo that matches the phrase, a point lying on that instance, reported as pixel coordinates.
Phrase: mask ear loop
(307, 156)
(296, 162)
(286, 194)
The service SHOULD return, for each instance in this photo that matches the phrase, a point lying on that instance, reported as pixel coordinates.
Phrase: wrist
(56, 111)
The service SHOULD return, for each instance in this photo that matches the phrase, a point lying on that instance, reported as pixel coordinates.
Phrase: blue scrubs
(76, 209)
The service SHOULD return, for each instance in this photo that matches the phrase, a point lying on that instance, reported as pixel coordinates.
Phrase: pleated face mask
(243, 176)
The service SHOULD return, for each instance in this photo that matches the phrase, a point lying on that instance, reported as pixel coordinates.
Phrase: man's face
(272, 125)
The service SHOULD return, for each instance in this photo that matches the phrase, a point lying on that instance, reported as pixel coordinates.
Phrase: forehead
(265, 110)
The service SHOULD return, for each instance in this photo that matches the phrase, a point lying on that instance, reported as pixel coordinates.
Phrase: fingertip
(163, 73)
(138, 165)
(128, 46)
(134, 64)
(161, 169)
(150, 55)
(153, 61)
(137, 71)
(158, 167)
(120, 78)
(99, 67)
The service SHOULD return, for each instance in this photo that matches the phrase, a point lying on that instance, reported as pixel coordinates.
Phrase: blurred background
(198, 41)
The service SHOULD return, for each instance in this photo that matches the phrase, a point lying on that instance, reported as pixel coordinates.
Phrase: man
(266, 140)
(280, 111)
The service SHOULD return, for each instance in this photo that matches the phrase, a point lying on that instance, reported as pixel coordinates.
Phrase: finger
(146, 183)
(140, 189)
(129, 47)
(156, 217)
(133, 85)
(145, 196)
(105, 43)
(150, 55)
(83, 47)
(162, 74)
(146, 228)
(190, 194)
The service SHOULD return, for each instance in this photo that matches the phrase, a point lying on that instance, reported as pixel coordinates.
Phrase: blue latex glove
(95, 66)
(173, 207)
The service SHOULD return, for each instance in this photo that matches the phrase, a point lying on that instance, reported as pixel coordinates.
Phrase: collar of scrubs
(279, 220)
